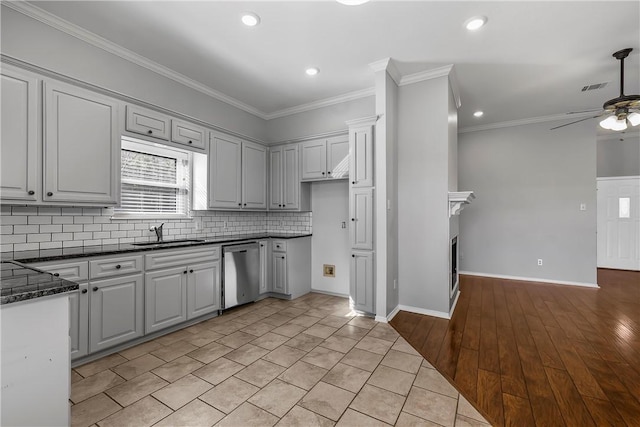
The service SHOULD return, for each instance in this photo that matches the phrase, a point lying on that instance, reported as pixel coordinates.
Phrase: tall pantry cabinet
(361, 193)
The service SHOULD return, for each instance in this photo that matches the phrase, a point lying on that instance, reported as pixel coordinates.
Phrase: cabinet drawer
(187, 134)
(115, 266)
(74, 271)
(147, 122)
(181, 257)
(279, 246)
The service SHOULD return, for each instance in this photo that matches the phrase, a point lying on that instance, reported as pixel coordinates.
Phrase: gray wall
(392, 193)
(423, 220)
(529, 183)
(330, 242)
(619, 158)
(319, 121)
(32, 41)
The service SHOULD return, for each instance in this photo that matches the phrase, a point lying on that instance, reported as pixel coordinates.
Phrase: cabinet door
(290, 178)
(116, 311)
(187, 134)
(254, 176)
(275, 178)
(264, 264)
(81, 146)
(338, 157)
(279, 269)
(225, 163)
(361, 209)
(79, 321)
(361, 283)
(19, 135)
(314, 160)
(165, 298)
(203, 289)
(361, 156)
(147, 122)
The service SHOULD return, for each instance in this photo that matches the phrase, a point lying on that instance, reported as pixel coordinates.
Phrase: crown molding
(110, 47)
(389, 66)
(351, 96)
(521, 122)
(447, 70)
(324, 135)
(363, 121)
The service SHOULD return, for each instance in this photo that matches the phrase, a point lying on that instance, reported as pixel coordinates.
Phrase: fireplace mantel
(457, 200)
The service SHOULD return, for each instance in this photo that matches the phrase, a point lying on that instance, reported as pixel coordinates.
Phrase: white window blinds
(154, 180)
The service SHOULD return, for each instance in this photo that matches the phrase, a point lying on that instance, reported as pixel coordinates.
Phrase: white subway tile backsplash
(26, 228)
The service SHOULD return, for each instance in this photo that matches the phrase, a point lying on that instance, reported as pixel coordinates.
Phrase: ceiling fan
(621, 111)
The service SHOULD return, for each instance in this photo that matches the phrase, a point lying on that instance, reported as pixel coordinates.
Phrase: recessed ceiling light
(352, 2)
(478, 114)
(312, 71)
(475, 23)
(250, 19)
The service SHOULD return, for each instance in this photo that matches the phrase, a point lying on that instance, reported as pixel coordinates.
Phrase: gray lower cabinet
(203, 289)
(79, 321)
(279, 268)
(290, 266)
(361, 282)
(165, 298)
(116, 311)
(265, 283)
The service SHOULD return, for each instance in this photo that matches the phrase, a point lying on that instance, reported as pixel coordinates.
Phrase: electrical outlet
(583, 206)
(344, 224)
(539, 261)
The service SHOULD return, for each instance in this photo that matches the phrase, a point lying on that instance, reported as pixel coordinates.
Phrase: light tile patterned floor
(307, 362)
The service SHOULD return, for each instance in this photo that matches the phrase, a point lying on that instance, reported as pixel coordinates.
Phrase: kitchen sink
(168, 242)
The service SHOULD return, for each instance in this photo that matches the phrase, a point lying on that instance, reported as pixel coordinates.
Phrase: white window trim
(133, 144)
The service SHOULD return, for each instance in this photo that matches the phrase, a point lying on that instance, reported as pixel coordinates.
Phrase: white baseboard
(393, 313)
(334, 294)
(530, 279)
(418, 310)
(381, 319)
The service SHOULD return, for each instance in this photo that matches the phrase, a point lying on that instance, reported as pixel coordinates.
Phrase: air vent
(594, 86)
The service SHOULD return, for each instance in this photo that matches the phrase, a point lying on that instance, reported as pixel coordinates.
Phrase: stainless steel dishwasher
(241, 274)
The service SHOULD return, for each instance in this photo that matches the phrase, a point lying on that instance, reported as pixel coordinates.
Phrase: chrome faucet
(158, 231)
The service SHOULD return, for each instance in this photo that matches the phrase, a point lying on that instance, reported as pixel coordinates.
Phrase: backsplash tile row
(29, 228)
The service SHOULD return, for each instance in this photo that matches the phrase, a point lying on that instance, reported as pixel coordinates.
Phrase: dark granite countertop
(90, 251)
(20, 283)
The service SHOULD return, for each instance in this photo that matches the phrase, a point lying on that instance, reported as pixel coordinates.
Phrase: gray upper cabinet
(254, 176)
(237, 173)
(81, 146)
(361, 159)
(147, 122)
(275, 178)
(286, 191)
(225, 172)
(325, 159)
(188, 134)
(19, 170)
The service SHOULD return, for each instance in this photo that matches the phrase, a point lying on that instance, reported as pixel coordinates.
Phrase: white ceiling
(530, 60)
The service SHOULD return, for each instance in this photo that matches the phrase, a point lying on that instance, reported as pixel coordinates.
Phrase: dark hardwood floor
(529, 354)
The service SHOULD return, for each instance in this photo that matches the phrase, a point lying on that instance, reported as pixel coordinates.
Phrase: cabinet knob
(282, 257)
(31, 192)
(261, 245)
(353, 256)
(190, 271)
(239, 204)
(322, 173)
(353, 182)
(190, 142)
(184, 272)
(95, 289)
(118, 267)
(353, 219)
(329, 172)
(56, 274)
(150, 132)
(84, 291)
(49, 194)
(245, 204)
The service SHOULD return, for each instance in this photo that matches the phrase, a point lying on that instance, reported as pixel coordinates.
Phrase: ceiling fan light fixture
(475, 23)
(634, 119)
(250, 19)
(613, 123)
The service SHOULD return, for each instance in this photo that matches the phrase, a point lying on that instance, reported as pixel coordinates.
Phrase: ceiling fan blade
(577, 121)
(593, 110)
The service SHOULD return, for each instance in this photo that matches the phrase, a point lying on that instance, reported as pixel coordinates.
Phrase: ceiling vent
(594, 86)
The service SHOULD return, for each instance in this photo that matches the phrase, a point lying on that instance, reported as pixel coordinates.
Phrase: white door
(619, 223)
